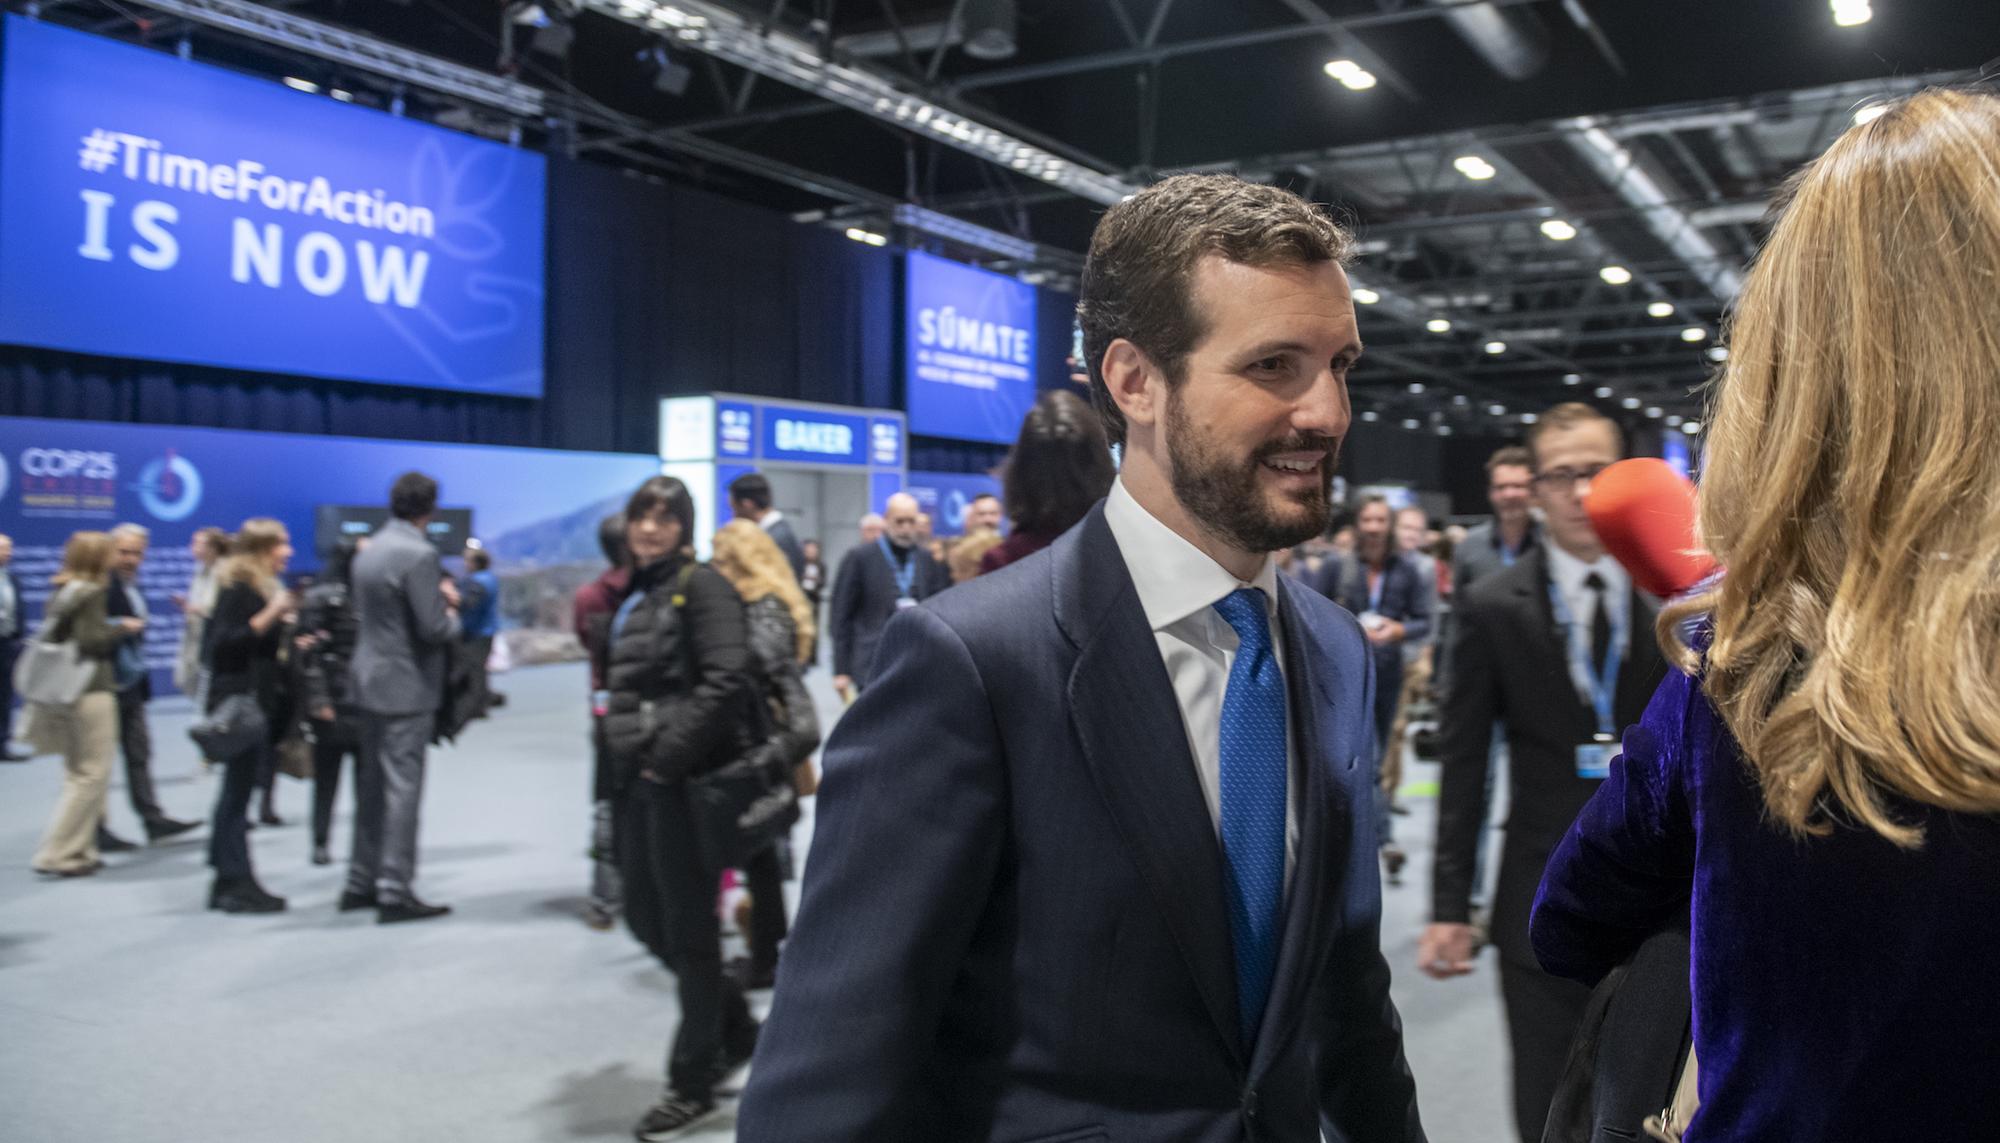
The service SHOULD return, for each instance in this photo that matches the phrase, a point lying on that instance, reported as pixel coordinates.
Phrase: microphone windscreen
(1644, 513)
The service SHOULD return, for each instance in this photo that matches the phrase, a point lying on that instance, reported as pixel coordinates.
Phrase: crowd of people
(1097, 851)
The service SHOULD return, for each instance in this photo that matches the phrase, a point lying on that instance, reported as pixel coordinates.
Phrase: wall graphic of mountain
(563, 540)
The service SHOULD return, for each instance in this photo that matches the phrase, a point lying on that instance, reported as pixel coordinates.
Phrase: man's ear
(1134, 383)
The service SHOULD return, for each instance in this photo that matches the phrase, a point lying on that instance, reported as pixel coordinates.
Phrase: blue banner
(156, 208)
(969, 350)
(536, 510)
(946, 496)
(814, 436)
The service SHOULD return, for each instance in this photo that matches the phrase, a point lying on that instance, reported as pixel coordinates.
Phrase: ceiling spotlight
(1351, 75)
(1718, 353)
(1604, 392)
(1691, 427)
(1438, 325)
(1497, 410)
(1411, 423)
(1631, 402)
(1616, 275)
(1473, 167)
(305, 85)
(1660, 309)
(1851, 13)
(1655, 412)
(1572, 378)
(343, 96)
(669, 75)
(1694, 333)
(866, 236)
(1366, 296)
(1529, 418)
(1460, 400)
(1496, 347)
(1444, 430)
(1673, 422)
(1370, 415)
(1558, 230)
(1416, 388)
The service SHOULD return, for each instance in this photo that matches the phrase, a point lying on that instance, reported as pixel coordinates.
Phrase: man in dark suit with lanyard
(874, 582)
(1559, 648)
(1094, 861)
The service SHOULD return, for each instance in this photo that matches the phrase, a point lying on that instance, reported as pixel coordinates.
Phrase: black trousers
(135, 742)
(764, 876)
(10, 649)
(670, 899)
(332, 741)
(229, 826)
(1543, 1012)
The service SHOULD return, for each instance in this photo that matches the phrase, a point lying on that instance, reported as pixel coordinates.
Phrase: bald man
(874, 582)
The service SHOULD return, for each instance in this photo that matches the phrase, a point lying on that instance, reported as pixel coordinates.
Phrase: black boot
(243, 895)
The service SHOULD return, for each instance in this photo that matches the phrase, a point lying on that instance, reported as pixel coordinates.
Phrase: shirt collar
(1174, 578)
(1569, 572)
(770, 519)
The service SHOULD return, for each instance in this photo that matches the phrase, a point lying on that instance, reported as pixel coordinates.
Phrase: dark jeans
(764, 876)
(1388, 693)
(135, 742)
(229, 827)
(670, 898)
(332, 741)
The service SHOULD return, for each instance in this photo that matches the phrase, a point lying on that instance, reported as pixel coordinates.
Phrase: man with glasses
(1559, 649)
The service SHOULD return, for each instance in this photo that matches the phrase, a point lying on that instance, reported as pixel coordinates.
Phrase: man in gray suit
(408, 615)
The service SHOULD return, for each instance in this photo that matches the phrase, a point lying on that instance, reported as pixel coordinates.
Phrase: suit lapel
(1122, 705)
(1325, 821)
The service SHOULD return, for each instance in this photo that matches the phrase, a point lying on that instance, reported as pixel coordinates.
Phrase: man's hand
(1445, 951)
(132, 625)
(1385, 632)
(449, 591)
(844, 687)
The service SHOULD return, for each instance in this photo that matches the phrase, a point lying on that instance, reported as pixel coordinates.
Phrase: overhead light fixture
(1411, 423)
(1416, 388)
(1444, 430)
(669, 75)
(866, 236)
(1674, 422)
(1366, 296)
(1691, 427)
(1616, 275)
(1572, 378)
(1694, 333)
(1605, 392)
(1529, 418)
(1631, 402)
(1370, 415)
(989, 28)
(1497, 410)
(1351, 75)
(1496, 347)
(1558, 230)
(1870, 113)
(1473, 167)
(1460, 400)
(1718, 353)
(1661, 309)
(1655, 412)
(1438, 325)
(1851, 13)
(305, 85)
(343, 96)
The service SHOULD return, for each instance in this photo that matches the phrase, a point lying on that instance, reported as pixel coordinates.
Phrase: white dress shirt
(1178, 588)
(769, 520)
(1569, 574)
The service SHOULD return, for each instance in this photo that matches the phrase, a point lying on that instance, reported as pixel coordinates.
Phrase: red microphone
(1644, 513)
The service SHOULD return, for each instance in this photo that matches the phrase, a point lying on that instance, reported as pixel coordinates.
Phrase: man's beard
(1223, 493)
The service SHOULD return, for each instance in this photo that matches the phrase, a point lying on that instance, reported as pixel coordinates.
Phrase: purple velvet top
(1843, 989)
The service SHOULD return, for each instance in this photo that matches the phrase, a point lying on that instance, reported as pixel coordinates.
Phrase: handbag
(743, 807)
(235, 725)
(52, 673)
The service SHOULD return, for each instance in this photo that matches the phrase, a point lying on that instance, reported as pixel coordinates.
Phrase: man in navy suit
(1094, 857)
(876, 580)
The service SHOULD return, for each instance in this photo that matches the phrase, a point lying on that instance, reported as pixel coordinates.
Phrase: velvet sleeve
(1626, 867)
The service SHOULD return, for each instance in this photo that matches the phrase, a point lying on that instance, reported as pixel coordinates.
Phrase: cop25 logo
(169, 487)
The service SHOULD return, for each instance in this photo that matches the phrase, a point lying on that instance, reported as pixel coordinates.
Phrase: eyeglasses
(1560, 480)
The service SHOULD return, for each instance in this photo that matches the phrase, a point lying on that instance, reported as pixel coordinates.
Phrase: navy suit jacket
(1014, 924)
(864, 600)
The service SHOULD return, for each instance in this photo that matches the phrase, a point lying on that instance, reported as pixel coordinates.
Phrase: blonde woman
(1825, 775)
(85, 733)
(245, 633)
(781, 641)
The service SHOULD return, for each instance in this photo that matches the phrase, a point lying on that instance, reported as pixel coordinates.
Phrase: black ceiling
(1717, 100)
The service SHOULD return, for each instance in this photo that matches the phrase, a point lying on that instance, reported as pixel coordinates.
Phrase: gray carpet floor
(129, 1013)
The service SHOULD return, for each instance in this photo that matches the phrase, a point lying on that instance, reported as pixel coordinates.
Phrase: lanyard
(906, 573)
(1603, 677)
(625, 610)
(1375, 588)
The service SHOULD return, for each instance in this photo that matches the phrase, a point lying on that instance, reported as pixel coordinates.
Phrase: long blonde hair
(1852, 488)
(753, 562)
(249, 555)
(86, 558)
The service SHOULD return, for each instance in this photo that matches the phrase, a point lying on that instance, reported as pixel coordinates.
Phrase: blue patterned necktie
(1253, 802)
